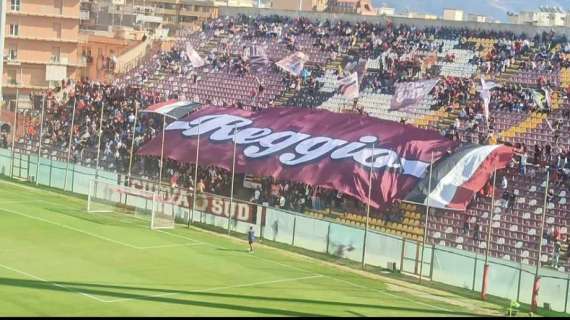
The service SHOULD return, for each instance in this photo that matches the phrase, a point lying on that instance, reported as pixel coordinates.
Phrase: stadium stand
(390, 54)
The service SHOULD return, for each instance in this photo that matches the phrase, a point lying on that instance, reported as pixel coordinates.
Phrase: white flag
(194, 57)
(348, 86)
(486, 95)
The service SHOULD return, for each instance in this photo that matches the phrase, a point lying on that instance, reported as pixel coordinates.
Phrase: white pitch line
(19, 201)
(70, 228)
(221, 288)
(51, 282)
(390, 294)
(99, 236)
(190, 244)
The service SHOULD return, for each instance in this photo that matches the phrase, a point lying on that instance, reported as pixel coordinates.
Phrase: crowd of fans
(402, 51)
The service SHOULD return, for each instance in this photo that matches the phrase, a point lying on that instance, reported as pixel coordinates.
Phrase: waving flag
(486, 88)
(173, 109)
(538, 98)
(194, 57)
(457, 177)
(294, 63)
(348, 86)
(257, 56)
(411, 93)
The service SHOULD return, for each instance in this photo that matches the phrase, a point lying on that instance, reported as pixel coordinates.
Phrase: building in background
(477, 18)
(303, 5)
(453, 15)
(40, 47)
(419, 15)
(544, 17)
(102, 48)
(362, 7)
(385, 11)
(168, 15)
(3, 8)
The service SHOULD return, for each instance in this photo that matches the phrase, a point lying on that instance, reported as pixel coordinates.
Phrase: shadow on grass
(159, 295)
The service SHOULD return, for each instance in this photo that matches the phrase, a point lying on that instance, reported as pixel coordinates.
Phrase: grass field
(57, 259)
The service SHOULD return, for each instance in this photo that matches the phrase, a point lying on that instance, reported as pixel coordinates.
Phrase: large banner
(294, 63)
(411, 93)
(316, 147)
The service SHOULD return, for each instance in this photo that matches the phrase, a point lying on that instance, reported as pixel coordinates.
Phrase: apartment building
(151, 14)
(362, 7)
(41, 42)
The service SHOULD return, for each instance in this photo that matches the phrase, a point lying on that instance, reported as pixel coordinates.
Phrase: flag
(194, 57)
(172, 108)
(486, 95)
(348, 86)
(538, 98)
(457, 177)
(411, 93)
(257, 56)
(293, 63)
(547, 94)
(429, 60)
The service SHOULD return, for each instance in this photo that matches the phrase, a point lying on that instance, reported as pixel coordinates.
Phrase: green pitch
(57, 259)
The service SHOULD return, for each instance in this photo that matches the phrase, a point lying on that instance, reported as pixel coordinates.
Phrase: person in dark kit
(250, 238)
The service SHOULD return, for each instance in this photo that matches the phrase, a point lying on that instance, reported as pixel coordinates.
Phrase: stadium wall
(450, 266)
(420, 23)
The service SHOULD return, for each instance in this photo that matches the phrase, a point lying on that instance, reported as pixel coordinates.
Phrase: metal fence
(445, 265)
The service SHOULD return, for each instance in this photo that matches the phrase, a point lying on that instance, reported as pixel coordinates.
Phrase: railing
(444, 265)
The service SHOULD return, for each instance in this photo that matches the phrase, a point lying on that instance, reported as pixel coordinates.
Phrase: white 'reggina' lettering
(264, 142)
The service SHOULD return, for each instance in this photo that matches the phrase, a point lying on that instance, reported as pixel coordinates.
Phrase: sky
(494, 8)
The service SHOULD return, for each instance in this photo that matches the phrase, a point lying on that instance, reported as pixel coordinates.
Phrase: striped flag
(173, 108)
(460, 175)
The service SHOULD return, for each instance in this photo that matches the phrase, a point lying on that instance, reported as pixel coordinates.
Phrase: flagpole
(100, 133)
(14, 128)
(195, 178)
(70, 141)
(161, 153)
(534, 305)
(233, 176)
(41, 136)
(367, 210)
(427, 218)
(488, 243)
(133, 144)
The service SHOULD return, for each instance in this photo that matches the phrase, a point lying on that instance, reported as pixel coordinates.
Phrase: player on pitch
(250, 238)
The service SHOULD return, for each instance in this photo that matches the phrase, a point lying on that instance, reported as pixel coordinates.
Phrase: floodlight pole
(14, 128)
(368, 209)
(195, 179)
(488, 242)
(427, 218)
(100, 134)
(161, 154)
(69, 142)
(534, 304)
(41, 136)
(133, 144)
(233, 177)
